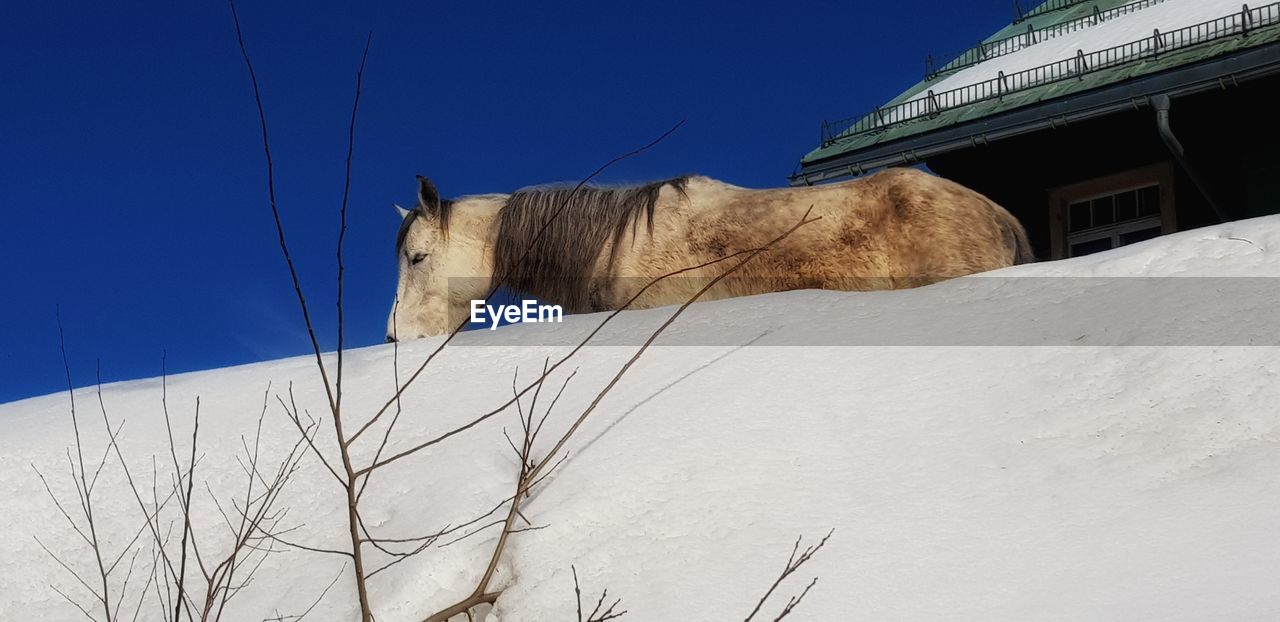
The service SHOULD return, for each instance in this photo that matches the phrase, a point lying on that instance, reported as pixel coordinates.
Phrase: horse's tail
(1016, 236)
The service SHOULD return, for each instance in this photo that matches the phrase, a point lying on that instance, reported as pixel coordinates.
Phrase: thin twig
(596, 614)
(81, 480)
(275, 210)
(342, 232)
(333, 392)
(794, 562)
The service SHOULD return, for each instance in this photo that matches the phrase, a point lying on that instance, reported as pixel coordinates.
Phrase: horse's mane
(560, 259)
(446, 206)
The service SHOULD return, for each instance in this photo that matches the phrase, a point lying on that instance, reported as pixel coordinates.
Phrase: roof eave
(1185, 80)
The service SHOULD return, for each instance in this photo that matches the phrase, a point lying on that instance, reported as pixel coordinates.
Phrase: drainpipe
(1161, 104)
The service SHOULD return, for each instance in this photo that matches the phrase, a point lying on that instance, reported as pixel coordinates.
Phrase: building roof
(1060, 49)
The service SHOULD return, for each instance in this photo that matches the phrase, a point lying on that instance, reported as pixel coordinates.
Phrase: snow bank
(996, 483)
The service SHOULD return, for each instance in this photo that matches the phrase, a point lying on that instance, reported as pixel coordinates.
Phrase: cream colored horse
(593, 249)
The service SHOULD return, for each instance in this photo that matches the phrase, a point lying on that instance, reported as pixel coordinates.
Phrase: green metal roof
(1037, 22)
(853, 142)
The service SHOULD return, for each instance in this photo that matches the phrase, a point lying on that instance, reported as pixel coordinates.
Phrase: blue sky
(132, 185)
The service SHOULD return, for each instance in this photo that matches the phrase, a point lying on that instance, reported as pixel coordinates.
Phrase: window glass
(1126, 206)
(1138, 236)
(1149, 201)
(1092, 246)
(1104, 211)
(1079, 217)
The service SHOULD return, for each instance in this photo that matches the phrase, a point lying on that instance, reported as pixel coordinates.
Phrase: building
(1097, 122)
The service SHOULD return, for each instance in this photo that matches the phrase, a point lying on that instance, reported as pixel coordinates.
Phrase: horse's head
(421, 305)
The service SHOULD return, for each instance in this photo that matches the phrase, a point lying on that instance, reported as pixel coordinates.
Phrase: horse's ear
(428, 198)
(404, 213)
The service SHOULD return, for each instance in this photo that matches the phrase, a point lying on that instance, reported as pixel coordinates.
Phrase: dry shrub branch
(192, 575)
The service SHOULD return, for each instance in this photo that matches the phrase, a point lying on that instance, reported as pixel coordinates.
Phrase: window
(1106, 222)
(1113, 211)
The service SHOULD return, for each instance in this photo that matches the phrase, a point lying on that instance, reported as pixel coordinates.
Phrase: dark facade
(1230, 137)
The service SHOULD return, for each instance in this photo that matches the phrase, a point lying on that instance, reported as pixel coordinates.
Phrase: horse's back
(929, 226)
(896, 228)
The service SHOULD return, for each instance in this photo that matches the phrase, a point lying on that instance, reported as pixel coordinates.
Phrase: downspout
(1161, 104)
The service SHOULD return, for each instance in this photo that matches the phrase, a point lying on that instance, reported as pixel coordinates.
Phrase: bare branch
(275, 210)
(794, 562)
(73, 603)
(301, 616)
(342, 232)
(71, 571)
(334, 391)
(82, 482)
(185, 499)
(395, 376)
(596, 614)
(795, 600)
(305, 435)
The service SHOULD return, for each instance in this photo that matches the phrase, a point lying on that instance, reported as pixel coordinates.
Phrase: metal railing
(986, 50)
(1048, 7)
(1240, 23)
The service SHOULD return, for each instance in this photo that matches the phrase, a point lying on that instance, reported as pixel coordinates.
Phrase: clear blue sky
(132, 186)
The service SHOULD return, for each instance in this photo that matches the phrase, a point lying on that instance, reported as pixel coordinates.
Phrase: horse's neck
(474, 229)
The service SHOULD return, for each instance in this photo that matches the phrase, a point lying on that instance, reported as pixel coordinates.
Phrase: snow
(1047, 482)
(1129, 27)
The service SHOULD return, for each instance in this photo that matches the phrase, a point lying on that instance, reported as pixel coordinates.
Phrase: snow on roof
(1127, 27)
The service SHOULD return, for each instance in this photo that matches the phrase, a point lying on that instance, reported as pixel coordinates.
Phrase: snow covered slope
(1015, 482)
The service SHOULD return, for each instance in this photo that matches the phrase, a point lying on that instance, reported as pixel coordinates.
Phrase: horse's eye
(417, 258)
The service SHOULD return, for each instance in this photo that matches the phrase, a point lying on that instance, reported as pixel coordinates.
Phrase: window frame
(1062, 197)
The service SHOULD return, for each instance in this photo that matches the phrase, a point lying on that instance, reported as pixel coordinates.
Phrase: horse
(594, 248)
